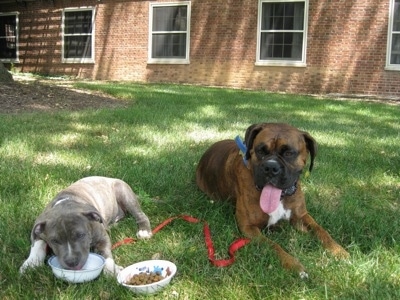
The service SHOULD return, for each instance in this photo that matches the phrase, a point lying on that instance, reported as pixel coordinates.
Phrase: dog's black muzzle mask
(273, 170)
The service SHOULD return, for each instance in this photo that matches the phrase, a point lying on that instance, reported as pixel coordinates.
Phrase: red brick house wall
(346, 46)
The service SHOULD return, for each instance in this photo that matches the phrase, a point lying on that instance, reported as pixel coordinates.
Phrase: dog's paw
(339, 252)
(30, 263)
(23, 268)
(303, 275)
(36, 257)
(144, 234)
(110, 268)
(117, 269)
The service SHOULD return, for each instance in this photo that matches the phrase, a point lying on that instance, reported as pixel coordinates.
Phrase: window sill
(280, 64)
(168, 61)
(392, 68)
(9, 61)
(78, 61)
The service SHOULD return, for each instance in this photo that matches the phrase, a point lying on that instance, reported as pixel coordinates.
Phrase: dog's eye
(261, 152)
(80, 235)
(289, 153)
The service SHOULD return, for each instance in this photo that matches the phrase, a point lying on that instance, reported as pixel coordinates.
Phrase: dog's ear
(37, 230)
(312, 147)
(250, 135)
(93, 216)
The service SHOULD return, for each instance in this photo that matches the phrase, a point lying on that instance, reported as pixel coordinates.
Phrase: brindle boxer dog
(265, 183)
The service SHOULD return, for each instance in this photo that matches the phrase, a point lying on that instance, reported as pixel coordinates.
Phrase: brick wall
(346, 46)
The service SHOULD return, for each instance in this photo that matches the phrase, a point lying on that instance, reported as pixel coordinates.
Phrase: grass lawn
(155, 144)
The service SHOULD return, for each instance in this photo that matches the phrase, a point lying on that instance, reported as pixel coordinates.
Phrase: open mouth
(73, 268)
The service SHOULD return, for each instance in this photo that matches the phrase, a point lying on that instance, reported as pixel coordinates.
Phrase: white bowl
(91, 270)
(167, 269)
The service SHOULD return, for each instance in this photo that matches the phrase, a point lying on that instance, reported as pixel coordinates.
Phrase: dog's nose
(72, 262)
(272, 167)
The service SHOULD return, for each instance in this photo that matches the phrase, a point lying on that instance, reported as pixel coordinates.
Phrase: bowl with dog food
(91, 270)
(147, 277)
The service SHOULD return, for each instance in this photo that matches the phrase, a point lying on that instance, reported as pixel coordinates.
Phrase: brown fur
(221, 174)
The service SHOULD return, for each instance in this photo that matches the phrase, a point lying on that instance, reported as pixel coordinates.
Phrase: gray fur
(75, 222)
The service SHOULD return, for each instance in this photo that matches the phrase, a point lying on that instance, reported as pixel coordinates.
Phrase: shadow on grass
(156, 143)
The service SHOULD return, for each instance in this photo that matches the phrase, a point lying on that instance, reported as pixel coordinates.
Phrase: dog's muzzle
(271, 168)
(273, 172)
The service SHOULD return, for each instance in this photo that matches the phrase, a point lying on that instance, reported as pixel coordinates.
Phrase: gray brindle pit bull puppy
(76, 222)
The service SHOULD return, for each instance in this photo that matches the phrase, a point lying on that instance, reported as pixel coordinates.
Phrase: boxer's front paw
(339, 252)
(303, 275)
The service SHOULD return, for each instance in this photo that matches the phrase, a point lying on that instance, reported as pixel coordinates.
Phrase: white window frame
(83, 59)
(185, 60)
(282, 62)
(389, 66)
(16, 59)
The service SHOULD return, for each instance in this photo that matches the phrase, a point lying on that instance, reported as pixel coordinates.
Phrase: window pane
(8, 40)
(169, 32)
(7, 26)
(169, 45)
(395, 54)
(282, 16)
(286, 45)
(77, 47)
(170, 18)
(78, 22)
(396, 16)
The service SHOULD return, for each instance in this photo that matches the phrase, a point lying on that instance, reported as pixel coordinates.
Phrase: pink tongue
(270, 198)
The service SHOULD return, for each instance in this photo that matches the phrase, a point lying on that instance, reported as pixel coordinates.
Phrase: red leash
(236, 245)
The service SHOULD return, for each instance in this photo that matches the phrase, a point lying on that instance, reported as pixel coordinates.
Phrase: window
(77, 35)
(169, 33)
(9, 37)
(282, 32)
(393, 47)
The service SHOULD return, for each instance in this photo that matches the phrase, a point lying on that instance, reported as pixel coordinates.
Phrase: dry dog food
(145, 278)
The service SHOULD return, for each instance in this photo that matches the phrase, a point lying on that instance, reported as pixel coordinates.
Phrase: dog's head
(277, 154)
(69, 234)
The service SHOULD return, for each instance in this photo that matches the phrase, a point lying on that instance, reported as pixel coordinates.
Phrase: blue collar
(242, 150)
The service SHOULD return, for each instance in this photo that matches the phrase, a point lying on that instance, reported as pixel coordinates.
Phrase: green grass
(155, 144)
